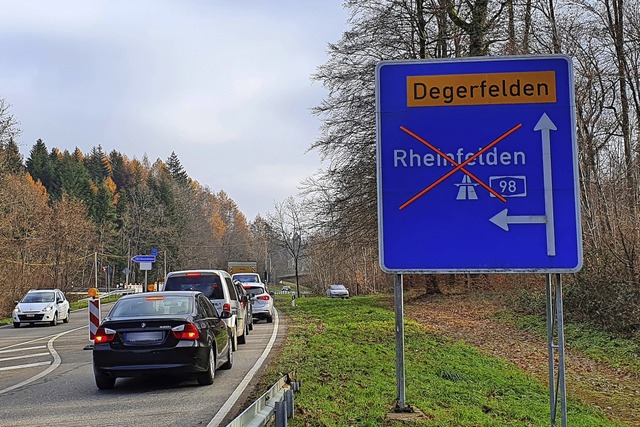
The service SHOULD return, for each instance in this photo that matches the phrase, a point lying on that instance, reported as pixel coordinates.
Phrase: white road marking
(26, 356)
(29, 365)
(56, 362)
(228, 405)
(23, 349)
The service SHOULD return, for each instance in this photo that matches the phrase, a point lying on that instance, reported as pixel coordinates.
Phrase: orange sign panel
(534, 87)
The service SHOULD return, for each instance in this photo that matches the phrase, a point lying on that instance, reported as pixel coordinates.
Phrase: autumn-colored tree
(23, 237)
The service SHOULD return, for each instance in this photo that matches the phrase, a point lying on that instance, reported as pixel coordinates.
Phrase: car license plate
(31, 315)
(144, 337)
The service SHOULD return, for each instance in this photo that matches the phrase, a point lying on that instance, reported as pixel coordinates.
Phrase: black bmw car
(165, 333)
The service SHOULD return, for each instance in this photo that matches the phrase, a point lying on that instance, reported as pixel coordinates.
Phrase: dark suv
(218, 287)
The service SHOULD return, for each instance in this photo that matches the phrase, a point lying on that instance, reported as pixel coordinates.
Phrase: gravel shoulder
(471, 317)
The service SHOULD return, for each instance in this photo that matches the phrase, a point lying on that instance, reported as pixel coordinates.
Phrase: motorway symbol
(503, 131)
(466, 190)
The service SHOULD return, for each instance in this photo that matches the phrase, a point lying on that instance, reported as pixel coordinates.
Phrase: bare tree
(291, 226)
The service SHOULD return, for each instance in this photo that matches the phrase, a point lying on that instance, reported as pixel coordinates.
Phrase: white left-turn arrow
(502, 219)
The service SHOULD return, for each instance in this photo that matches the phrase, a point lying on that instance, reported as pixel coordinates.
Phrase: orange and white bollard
(94, 314)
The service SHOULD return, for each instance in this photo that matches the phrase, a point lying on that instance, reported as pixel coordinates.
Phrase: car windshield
(165, 305)
(39, 297)
(338, 287)
(209, 284)
(246, 278)
(257, 290)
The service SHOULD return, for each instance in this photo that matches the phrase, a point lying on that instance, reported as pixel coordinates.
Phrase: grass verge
(344, 354)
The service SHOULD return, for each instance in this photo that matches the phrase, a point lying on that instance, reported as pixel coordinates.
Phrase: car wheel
(54, 321)
(229, 362)
(251, 325)
(16, 324)
(206, 378)
(66, 319)
(104, 382)
(269, 319)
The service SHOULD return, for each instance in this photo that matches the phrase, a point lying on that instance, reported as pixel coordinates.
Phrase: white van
(218, 287)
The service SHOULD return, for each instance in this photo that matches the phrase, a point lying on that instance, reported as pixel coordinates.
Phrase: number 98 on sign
(509, 186)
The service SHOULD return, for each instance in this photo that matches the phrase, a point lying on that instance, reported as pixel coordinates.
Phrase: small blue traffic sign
(477, 165)
(143, 258)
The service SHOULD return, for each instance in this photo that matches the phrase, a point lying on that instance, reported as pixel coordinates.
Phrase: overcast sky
(226, 84)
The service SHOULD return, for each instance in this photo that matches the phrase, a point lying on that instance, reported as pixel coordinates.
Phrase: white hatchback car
(41, 305)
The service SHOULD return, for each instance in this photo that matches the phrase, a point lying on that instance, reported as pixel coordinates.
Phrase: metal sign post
(146, 262)
(399, 313)
(557, 388)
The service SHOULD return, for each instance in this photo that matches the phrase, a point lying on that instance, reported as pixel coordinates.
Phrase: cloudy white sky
(226, 84)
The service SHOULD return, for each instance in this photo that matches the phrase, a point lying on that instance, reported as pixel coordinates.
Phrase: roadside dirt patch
(470, 317)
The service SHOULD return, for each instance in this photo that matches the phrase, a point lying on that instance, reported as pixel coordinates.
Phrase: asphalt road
(46, 378)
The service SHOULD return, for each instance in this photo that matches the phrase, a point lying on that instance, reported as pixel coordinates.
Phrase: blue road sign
(143, 258)
(477, 165)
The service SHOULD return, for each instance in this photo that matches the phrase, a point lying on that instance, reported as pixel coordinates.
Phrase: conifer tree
(175, 168)
(39, 164)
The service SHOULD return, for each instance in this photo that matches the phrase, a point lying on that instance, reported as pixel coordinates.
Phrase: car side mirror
(16, 302)
(225, 315)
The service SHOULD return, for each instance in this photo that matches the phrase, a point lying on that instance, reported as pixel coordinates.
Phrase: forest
(61, 208)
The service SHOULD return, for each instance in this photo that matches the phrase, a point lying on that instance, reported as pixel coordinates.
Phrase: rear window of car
(246, 278)
(209, 284)
(257, 290)
(153, 306)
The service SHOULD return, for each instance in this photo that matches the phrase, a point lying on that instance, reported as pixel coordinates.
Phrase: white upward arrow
(546, 126)
(502, 219)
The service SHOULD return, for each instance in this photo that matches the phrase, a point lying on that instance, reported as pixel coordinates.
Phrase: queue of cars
(191, 328)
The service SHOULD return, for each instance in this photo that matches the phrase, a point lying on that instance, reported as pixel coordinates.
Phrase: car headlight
(16, 310)
(47, 308)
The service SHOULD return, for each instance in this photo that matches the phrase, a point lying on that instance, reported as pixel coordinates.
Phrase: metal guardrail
(277, 401)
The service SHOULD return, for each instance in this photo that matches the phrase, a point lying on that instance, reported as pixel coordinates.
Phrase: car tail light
(226, 307)
(264, 297)
(194, 274)
(188, 331)
(104, 335)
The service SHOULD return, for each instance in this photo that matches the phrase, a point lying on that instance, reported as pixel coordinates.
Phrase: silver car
(337, 291)
(261, 301)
